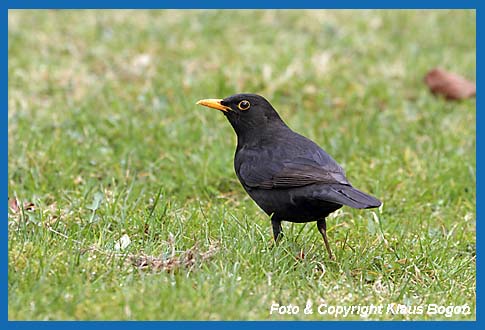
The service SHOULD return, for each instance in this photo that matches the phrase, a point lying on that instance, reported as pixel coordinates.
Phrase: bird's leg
(276, 223)
(322, 228)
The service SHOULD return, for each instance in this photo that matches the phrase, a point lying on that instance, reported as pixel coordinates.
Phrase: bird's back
(290, 176)
(283, 149)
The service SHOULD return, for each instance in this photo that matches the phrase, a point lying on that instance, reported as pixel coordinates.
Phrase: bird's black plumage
(289, 176)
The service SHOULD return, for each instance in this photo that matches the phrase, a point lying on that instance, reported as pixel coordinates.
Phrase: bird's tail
(348, 195)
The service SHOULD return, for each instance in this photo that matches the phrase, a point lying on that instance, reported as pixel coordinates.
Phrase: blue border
(224, 325)
(248, 4)
(347, 4)
(4, 159)
(479, 158)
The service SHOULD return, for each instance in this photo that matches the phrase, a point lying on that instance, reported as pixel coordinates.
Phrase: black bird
(289, 176)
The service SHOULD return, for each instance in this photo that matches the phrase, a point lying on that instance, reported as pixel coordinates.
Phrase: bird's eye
(244, 105)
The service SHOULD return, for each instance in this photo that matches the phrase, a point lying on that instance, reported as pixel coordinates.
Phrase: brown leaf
(29, 206)
(186, 259)
(14, 205)
(450, 85)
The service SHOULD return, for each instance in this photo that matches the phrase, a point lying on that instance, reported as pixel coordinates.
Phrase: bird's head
(246, 112)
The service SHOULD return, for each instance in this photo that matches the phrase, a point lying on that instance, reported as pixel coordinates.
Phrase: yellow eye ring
(244, 105)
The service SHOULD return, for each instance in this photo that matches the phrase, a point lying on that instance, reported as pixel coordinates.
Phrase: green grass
(105, 140)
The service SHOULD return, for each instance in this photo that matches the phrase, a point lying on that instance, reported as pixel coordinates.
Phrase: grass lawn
(128, 205)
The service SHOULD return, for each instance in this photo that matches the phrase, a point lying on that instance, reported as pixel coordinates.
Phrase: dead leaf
(186, 259)
(13, 204)
(450, 85)
(29, 206)
(17, 209)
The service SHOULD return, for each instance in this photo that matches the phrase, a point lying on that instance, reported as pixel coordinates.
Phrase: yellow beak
(214, 104)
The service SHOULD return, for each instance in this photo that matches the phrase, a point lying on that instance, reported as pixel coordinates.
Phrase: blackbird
(289, 176)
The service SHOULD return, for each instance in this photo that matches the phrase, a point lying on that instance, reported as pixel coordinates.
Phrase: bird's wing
(295, 172)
